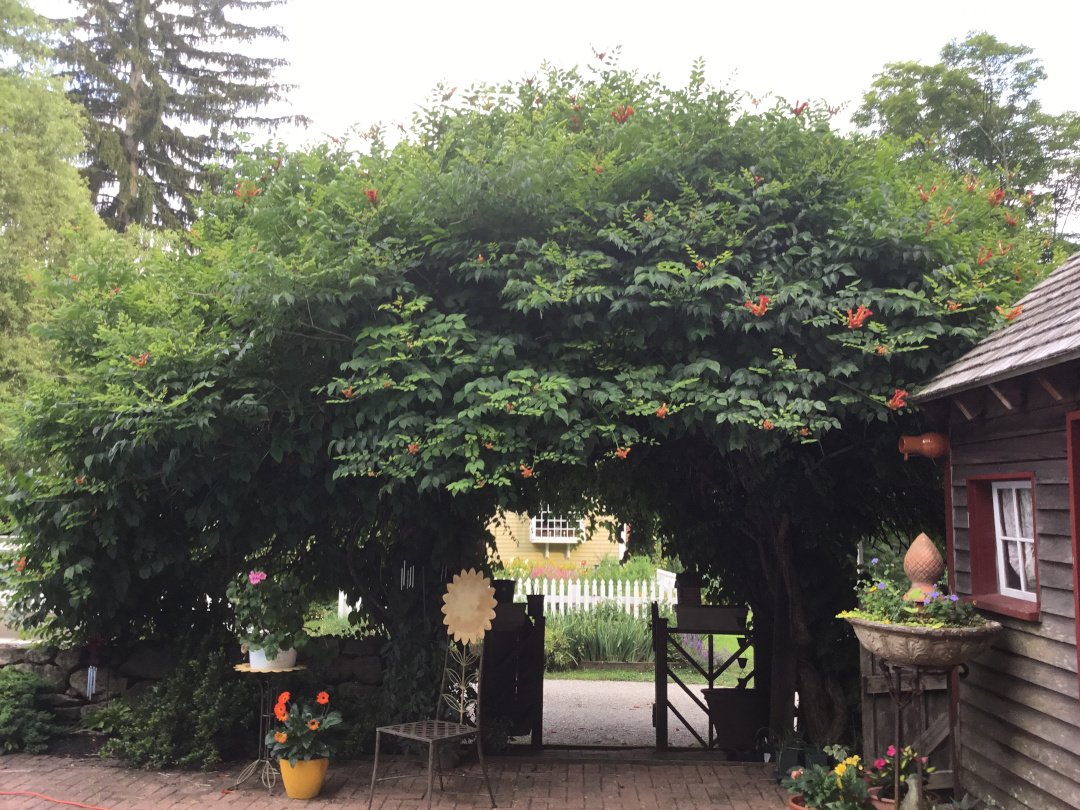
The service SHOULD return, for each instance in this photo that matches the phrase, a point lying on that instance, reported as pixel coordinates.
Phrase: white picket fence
(565, 595)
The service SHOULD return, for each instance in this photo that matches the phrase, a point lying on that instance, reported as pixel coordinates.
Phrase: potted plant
(269, 618)
(883, 775)
(917, 627)
(300, 742)
(821, 788)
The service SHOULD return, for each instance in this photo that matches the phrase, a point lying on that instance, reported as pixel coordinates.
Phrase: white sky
(365, 62)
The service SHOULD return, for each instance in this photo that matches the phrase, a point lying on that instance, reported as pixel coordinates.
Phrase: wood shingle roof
(1046, 333)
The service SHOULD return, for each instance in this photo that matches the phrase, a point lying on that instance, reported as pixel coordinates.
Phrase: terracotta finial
(924, 566)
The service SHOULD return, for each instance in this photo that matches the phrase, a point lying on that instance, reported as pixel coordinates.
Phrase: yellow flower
(840, 770)
(852, 760)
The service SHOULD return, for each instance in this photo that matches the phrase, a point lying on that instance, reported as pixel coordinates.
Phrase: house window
(1014, 531)
(1002, 544)
(551, 528)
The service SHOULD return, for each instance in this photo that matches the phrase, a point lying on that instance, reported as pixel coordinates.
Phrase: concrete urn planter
(931, 647)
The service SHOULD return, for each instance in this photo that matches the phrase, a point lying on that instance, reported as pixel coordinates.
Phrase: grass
(688, 676)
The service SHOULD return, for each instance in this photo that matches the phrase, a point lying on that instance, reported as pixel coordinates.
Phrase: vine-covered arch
(603, 292)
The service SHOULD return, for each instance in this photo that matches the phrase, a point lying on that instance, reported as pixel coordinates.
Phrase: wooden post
(660, 644)
(535, 609)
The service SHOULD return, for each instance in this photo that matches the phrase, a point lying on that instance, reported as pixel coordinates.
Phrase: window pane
(1023, 497)
(1007, 511)
(1012, 570)
(1027, 551)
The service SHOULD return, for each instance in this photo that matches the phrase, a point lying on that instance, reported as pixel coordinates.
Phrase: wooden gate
(730, 716)
(926, 716)
(513, 686)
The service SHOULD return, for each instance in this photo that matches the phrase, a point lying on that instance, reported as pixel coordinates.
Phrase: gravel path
(614, 713)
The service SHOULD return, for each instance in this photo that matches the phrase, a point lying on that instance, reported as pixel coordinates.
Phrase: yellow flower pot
(305, 780)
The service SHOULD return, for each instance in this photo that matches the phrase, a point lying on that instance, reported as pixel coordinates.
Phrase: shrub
(605, 633)
(202, 713)
(23, 726)
(558, 649)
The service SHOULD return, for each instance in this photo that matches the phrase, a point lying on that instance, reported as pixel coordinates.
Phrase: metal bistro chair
(462, 668)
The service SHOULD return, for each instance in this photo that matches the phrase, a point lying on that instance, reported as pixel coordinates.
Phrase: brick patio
(566, 780)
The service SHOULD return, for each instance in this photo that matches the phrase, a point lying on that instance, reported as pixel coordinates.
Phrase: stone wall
(353, 666)
(130, 673)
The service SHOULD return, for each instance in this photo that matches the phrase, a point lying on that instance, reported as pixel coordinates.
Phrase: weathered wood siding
(511, 540)
(1019, 706)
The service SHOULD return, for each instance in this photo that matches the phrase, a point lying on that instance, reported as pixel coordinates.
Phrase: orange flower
(804, 431)
(281, 713)
(313, 725)
(760, 308)
(20, 566)
(1010, 314)
(284, 697)
(414, 448)
(509, 407)
(1002, 249)
(372, 195)
(280, 736)
(140, 361)
(386, 385)
(489, 446)
(897, 401)
(995, 197)
(622, 452)
(347, 393)
(80, 480)
(662, 411)
(984, 255)
(859, 318)
(767, 425)
(648, 216)
(881, 349)
(700, 265)
(1011, 220)
(322, 698)
(924, 196)
(526, 472)
(480, 258)
(952, 306)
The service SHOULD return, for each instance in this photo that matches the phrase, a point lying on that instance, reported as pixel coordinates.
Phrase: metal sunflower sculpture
(469, 605)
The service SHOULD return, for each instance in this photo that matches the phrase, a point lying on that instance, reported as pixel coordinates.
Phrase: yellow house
(549, 536)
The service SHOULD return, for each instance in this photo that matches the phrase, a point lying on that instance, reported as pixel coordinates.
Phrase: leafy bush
(109, 719)
(23, 726)
(558, 649)
(605, 633)
(202, 713)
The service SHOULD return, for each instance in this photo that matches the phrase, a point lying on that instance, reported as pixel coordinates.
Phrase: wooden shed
(1011, 409)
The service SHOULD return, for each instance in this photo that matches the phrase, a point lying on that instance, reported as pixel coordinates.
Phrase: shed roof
(1045, 334)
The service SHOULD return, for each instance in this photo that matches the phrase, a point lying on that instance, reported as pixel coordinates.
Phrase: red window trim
(982, 549)
(1072, 444)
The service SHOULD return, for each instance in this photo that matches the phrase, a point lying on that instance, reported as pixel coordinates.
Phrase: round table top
(247, 668)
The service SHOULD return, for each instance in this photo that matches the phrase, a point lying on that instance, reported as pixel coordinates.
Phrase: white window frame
(549, 528)
(1001, 540)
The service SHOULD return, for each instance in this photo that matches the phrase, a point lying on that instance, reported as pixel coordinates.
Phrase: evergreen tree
(164, 96)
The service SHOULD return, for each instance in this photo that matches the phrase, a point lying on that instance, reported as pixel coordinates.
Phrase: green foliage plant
(358, 366)
(269, 610)
(883, 770)
(202, 713)
(24, 726)
(881, 599)
(839, 788)
(558, 648)
(301, 733)
(110, 719)
(602, 633)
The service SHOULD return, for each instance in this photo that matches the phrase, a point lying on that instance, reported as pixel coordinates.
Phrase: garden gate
(732, 715)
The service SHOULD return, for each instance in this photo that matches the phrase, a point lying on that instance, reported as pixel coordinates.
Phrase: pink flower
(255, 577)
(879, 764)
(890, 751)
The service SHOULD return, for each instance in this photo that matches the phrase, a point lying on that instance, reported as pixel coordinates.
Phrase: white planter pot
(281, 659)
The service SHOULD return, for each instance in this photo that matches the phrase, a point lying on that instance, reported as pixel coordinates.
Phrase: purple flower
(927, 600)
(874, 561)
(881, 586)
(255, 577)
(954, 597)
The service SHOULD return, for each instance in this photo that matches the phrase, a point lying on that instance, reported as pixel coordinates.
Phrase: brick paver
(564, 783)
